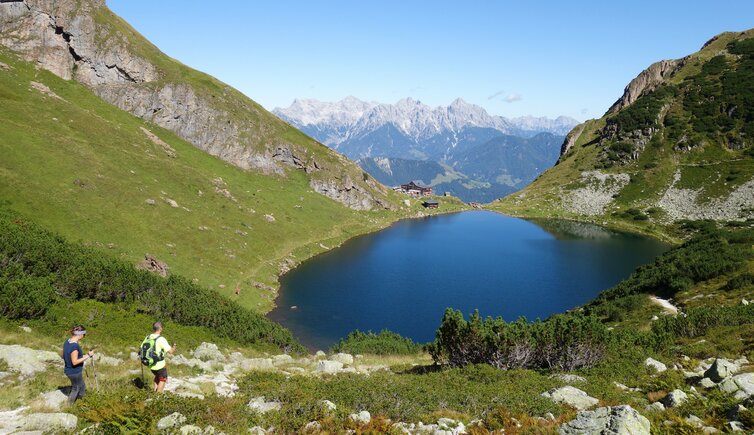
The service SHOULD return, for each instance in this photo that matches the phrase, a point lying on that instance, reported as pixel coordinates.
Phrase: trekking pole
(96, 381)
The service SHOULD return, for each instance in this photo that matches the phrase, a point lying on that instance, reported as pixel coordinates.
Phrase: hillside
(677, 145)
(138, 185)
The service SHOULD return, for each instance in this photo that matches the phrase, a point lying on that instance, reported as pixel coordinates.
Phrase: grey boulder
(571, 396)
(618, 420)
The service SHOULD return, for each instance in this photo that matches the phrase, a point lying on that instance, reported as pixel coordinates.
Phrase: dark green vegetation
(384, 343)
(686, 144)
(39, 270)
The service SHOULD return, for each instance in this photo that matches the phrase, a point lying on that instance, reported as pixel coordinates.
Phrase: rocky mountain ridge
(85, 41)
(353, 118)
(676, 145)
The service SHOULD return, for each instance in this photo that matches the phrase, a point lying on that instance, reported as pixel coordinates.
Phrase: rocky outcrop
(571, 396)
(83, 40)
(616, 420)
(571, 139)
(27, 361)
(152, 264)
(647, 81)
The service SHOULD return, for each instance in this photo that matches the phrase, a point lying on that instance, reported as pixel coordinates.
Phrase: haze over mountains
(446, 147)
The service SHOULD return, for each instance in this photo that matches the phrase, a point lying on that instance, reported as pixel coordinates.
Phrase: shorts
(160, 375)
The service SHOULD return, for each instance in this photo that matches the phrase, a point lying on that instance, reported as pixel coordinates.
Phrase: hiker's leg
(76, 383)
(82, 388)
(160, 386)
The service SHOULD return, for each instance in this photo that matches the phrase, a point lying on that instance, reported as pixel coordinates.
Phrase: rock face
(742, 385)
(83, 40)
(646, 81)
(618, 420)
(571, 396)
(571, 139)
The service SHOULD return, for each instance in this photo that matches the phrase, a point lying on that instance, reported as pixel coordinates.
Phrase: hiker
(153, 352)
(74, 363)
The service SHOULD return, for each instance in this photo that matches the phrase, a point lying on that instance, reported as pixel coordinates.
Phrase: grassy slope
(80, 167)
(713, 168)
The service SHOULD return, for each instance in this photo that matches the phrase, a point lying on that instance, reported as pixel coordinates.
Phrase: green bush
(38, 268)
(562, 342)
(384, 343)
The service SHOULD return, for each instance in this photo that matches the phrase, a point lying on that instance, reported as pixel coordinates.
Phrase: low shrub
(384, 343)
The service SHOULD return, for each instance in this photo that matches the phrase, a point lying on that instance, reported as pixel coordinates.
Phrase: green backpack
(148, 352)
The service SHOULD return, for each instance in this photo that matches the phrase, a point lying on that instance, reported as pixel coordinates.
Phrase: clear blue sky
(511, 57)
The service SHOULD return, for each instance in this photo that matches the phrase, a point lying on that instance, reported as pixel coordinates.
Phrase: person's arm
(75, 360)
(172, 349)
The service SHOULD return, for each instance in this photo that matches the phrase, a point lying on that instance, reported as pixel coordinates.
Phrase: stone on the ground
(170, 421)
(257, 364)
(608, 420)
(327, 405)
(657, 365)
(694, 421)
(190, 429)
(735, 426)
(27, 361)
(256, 430)
(107, 360)
(343, 358)
(569, 378)
(675, 398)
(571, 396)
(450, 425)
(25, 328)
(707, 383)
(744, 302)
(721, 369)
(48, 422)
(655, 407)
(282, 359)
(742, 385)
(363, 417)
(313, 427)
(258, 404)
(54, 399)
(191, 362)
(709, 429)
(208, 352)
(330, 367)
(320, 354)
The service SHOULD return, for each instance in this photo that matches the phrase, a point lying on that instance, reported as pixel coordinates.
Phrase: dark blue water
(404, 277)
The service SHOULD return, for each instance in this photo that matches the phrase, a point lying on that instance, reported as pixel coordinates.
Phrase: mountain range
(452, 141)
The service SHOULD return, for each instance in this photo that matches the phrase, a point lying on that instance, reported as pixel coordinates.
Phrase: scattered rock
(721, 369)
(54, 399)
(256, 430)
(327, 405)
(343, 358)
(569, 378)
(257, 364)
(675, 398)
(706, 383)
(152, 264)
(107, 360)
(608, 420)
(48, 422)
(172, 202)
(313, 427)
(281, 359)
(655, 407)
(170, 151)
(208, 352)
(4, 66)
(269, 218)
(735, 426)
(25, 328)
(150, 201)
(330, 367)
(172, 420)
(320, 354)
(744, 302)
(190, 429)
(258, 404)
(571, 396)
(450, 425)
(362, 417)
(742, 385)
(45, 90)
(27, 361)
(694, 421)
(657, 365)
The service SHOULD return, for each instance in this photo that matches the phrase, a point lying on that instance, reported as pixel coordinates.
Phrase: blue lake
(403, 278)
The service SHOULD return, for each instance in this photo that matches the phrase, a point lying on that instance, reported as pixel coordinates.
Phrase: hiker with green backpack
(152, 353)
